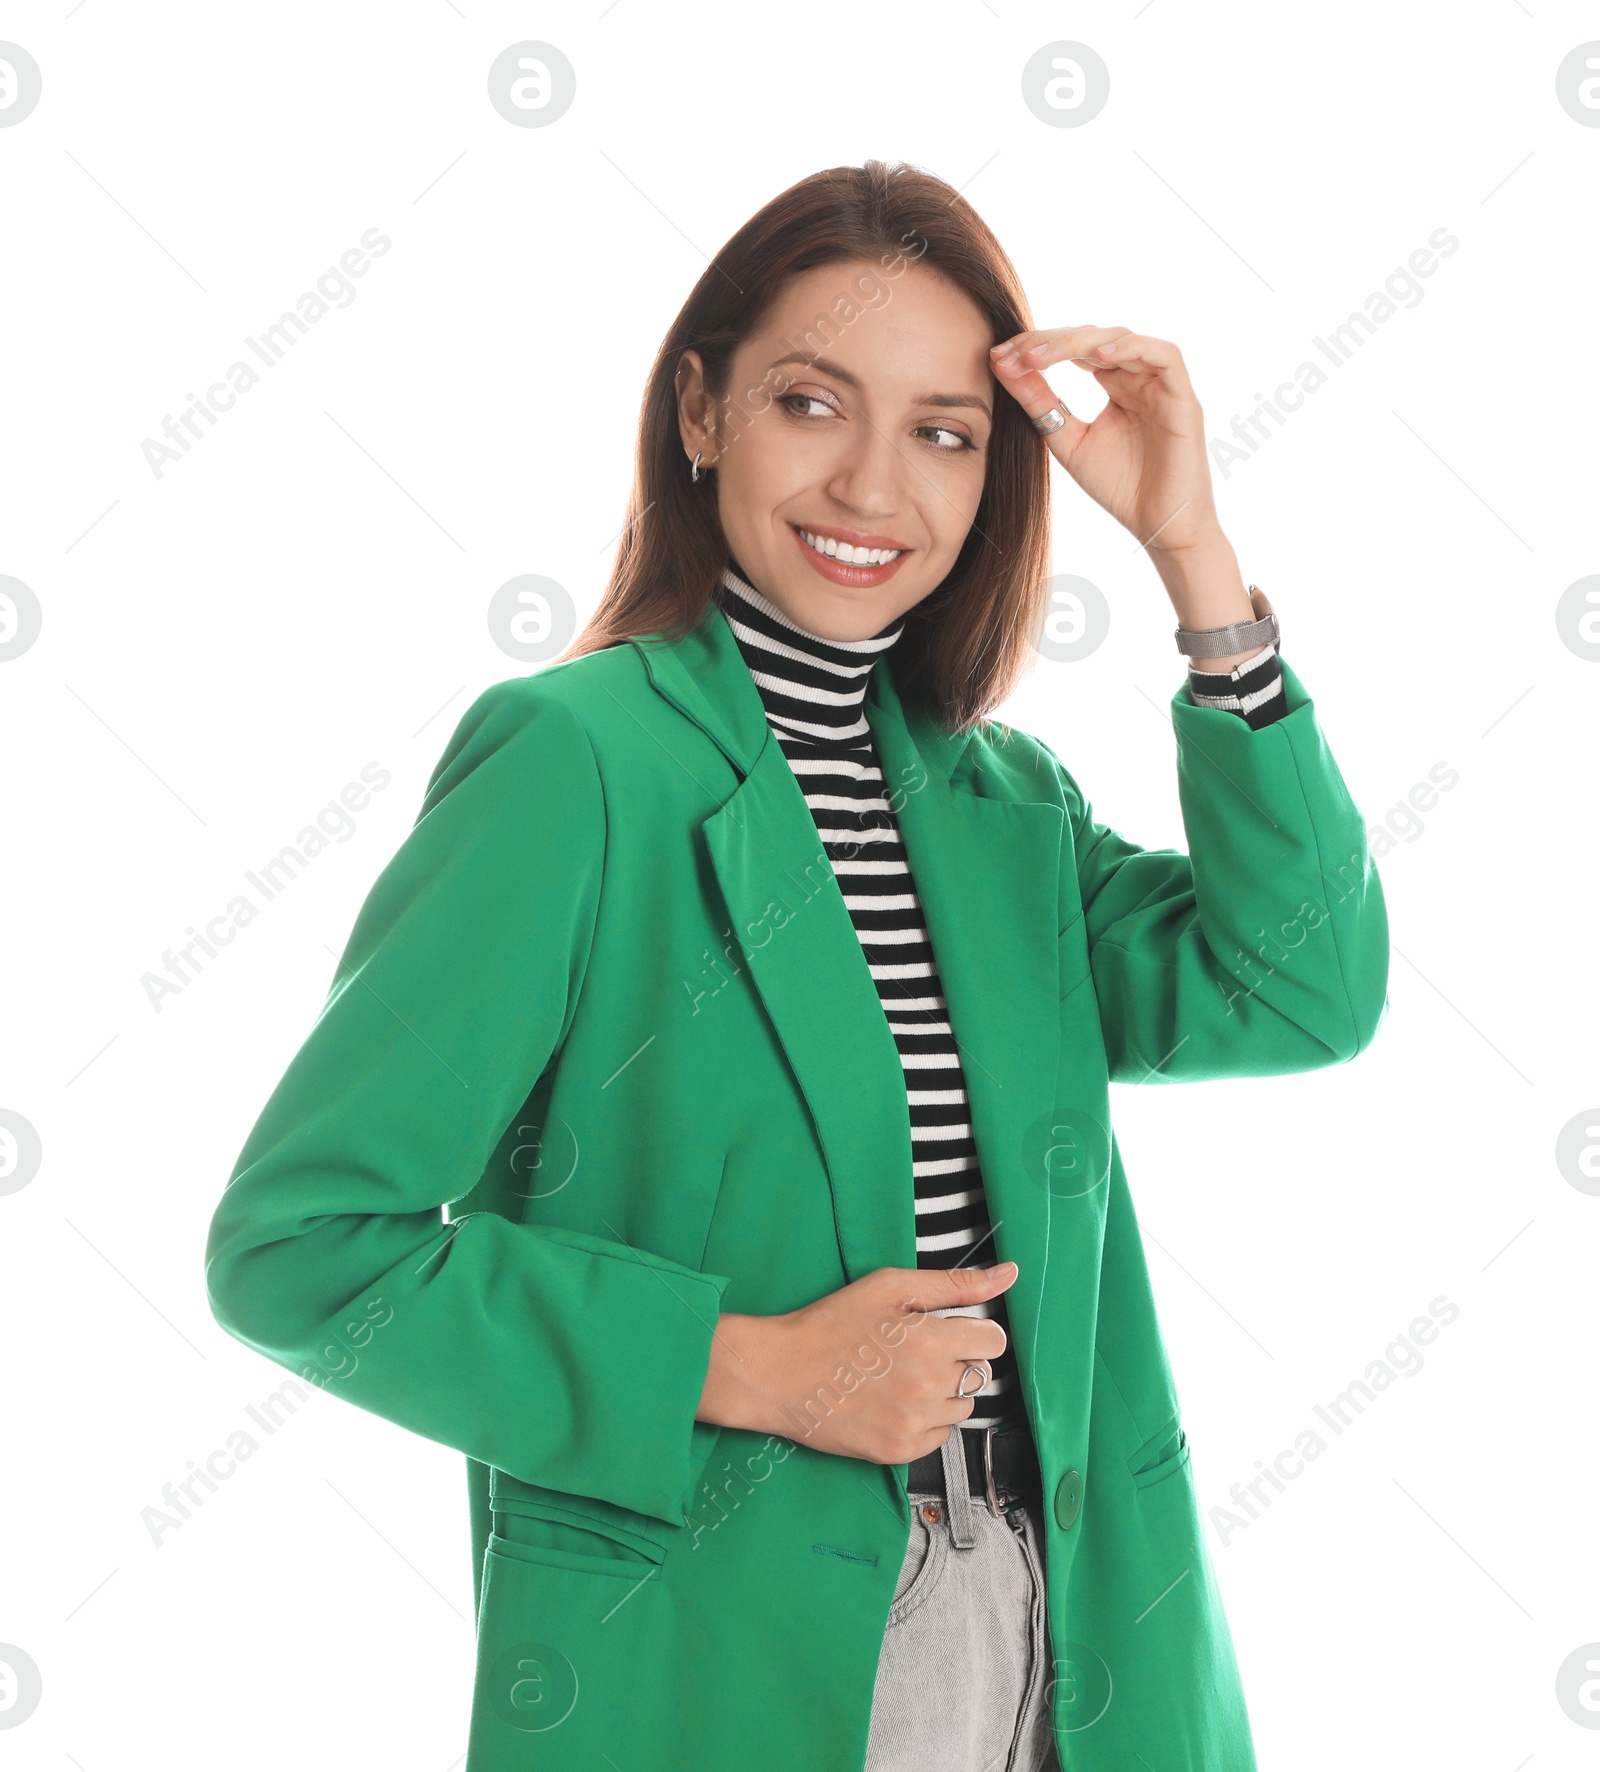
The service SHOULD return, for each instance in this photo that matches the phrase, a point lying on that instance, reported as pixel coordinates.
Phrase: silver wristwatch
(1241, 636)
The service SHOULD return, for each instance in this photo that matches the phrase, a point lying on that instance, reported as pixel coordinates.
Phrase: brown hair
(967, 643)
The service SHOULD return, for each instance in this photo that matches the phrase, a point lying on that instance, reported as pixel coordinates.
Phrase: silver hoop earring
(694, 467)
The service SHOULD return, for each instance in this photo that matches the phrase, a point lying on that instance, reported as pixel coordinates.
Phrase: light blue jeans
(964, 1674)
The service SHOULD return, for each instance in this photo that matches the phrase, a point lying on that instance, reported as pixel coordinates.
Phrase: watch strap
(1239, 636)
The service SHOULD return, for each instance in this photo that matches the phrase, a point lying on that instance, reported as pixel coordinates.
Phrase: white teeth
(851, 556)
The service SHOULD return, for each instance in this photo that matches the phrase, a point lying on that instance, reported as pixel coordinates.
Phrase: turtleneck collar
(814, 690)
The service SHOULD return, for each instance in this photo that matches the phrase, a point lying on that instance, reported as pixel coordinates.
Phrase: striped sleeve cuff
(1253, 690)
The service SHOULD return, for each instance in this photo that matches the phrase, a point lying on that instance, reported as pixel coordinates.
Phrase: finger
(1136, 347)
(1135, 352)
(939, 1432)
(930, 1289)
(1060, 344)
(982, 1345)
(1036, 397)
(968, 1337)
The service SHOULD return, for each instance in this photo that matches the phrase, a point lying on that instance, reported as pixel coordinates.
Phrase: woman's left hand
(1144, 456)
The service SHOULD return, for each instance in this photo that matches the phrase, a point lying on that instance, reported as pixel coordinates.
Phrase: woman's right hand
(863, 1372)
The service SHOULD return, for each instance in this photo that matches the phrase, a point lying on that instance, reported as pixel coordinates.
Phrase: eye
(809, 399)
(962, 440)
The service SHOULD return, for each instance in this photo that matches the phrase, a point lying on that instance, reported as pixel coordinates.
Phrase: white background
(225, 646)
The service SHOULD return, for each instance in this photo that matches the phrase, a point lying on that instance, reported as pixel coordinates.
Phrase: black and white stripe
(1253, 690)
(814, 692)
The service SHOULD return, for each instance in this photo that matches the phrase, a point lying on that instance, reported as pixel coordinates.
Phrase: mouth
(849, 563)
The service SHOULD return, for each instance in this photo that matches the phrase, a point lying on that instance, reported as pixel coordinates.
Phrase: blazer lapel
(987, 874)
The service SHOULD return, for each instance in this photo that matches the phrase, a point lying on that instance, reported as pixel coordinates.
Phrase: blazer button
(1069, 1499)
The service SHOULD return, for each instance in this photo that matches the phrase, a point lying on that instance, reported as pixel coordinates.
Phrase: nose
(872, 475)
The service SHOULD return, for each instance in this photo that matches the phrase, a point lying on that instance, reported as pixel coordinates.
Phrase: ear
(696, 409)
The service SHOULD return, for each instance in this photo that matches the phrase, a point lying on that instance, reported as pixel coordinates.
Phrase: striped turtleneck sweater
(814, 692)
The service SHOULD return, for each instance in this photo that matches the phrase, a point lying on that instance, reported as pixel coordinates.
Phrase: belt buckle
(990, 1495)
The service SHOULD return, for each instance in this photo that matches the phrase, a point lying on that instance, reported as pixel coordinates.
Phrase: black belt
(999, 1459)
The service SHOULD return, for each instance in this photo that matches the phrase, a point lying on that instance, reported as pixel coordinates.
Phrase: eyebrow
(824, 367)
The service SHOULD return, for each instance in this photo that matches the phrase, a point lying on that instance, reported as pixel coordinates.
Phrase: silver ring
(983, 1378)
(1053, 420)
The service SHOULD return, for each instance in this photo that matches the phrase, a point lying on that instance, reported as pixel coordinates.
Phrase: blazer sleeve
(569, 1361)
(1262, 951)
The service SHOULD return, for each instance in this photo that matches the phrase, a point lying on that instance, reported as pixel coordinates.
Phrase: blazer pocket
(561, 1538)
(1161, 1456)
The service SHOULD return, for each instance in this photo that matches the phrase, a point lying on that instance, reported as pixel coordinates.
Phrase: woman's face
(871, 433)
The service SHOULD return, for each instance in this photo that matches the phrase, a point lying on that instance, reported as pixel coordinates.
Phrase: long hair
(968, 642)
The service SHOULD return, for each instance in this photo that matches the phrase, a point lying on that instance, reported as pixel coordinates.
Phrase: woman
(750, 999)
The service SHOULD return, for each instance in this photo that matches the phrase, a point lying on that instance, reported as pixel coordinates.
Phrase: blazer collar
(705, 677)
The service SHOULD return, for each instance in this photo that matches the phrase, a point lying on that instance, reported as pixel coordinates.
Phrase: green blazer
(606, 1008)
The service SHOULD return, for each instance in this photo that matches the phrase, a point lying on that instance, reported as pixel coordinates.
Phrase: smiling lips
(849, 563)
